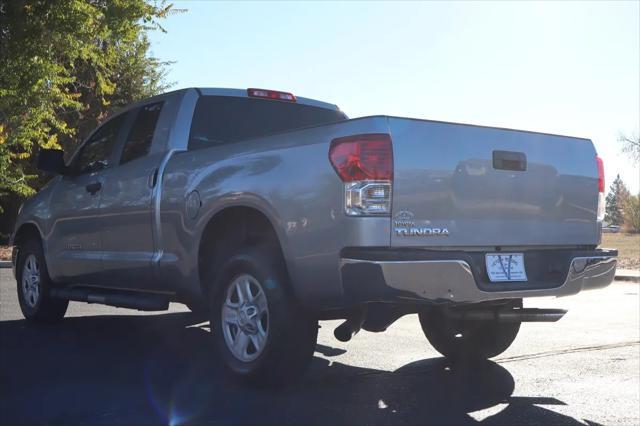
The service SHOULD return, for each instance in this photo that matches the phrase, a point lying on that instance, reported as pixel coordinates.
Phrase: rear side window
(140, 136)
(224, 119)
(94, 154)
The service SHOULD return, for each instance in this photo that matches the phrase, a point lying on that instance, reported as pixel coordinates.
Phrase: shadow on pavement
(163, 370)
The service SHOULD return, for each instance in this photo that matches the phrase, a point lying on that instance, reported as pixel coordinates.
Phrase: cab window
(140, 136)
(223, 119)
(95, 153)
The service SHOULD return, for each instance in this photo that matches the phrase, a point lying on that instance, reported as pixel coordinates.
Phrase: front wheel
(259, 329)
(467, 340)
(34, 286)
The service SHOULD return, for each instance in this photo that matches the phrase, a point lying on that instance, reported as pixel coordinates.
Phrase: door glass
(140, 137)
(94, 154)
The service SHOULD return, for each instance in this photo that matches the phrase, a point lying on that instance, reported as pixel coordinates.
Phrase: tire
(467, 340)
(274, 338)
(34, 286)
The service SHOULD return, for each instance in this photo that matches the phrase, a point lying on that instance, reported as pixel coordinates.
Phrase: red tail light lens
(600, 174)
(601, 204)
(271, 94)
(362, 157)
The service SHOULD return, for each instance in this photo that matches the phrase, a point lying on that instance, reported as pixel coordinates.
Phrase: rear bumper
(460, 277)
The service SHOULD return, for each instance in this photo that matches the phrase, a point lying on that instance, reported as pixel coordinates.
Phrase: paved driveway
(110, 366)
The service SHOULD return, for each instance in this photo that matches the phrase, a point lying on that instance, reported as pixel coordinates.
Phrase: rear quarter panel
(287, 177)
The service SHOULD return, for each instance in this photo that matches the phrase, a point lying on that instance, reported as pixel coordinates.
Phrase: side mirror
(51, 161)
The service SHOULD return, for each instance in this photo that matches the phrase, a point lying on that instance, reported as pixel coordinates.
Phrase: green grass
(628, 246)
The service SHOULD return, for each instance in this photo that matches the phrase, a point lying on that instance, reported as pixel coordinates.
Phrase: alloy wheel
(31, 281)
(245, 318)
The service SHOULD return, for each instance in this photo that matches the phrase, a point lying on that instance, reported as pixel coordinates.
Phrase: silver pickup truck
(268, 212)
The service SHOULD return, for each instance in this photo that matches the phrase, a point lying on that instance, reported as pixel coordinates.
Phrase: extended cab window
(94, 154)
(223, 119)
(140, 136)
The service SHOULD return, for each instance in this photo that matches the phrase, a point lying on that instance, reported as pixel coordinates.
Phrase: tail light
(600, 215)
(365, 164)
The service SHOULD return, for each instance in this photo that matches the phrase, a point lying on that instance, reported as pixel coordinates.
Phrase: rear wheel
(467, 340)
(259, 329)
(34, 286)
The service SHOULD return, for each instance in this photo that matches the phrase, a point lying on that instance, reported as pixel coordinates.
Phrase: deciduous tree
(630, 145)
(65, 65)
(632, 213)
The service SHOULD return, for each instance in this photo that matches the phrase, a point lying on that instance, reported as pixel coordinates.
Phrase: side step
(119, 299)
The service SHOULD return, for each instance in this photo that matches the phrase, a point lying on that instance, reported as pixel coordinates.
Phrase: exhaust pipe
(345, 331)
(530, 315)
(509, 314)
(352, 325)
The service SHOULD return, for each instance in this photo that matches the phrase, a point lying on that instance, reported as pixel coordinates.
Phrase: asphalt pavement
(109, 366)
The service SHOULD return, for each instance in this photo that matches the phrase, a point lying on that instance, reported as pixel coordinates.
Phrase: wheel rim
(31, 281)
(245, 318)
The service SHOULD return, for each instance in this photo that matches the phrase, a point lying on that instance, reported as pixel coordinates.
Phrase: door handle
(153, 177)
(93, 187)
(510, 160)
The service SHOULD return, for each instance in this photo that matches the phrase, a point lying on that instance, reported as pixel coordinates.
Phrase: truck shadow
(162, 369)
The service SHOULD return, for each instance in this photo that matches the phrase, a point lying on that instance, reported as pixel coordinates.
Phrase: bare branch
(630, 145)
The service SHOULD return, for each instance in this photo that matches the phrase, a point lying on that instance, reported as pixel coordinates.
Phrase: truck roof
(220, 91)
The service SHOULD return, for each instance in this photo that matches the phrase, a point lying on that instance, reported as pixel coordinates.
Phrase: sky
(569, 68)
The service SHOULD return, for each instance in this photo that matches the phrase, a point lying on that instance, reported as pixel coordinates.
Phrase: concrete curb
(629, 275)
(5, 264)
(627, 278)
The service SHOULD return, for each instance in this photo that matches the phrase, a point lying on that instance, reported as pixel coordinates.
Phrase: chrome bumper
(443, 281)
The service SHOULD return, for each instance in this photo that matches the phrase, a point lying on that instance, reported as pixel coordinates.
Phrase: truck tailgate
(472, 186)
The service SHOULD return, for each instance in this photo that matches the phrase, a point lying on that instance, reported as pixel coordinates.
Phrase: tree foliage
(65, 66)
(632, 213)
(616, 202)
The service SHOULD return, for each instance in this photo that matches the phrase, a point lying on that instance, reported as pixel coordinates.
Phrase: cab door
(75, 241)
(126, 205)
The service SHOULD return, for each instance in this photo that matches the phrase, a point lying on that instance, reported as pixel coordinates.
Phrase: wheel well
(229, 229)
(25, 232)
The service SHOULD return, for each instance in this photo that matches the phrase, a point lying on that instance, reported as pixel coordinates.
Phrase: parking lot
(111, 366)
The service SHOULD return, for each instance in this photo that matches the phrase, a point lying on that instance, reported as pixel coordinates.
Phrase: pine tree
(615, 202)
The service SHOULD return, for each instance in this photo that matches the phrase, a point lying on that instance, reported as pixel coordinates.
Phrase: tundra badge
(404, 226)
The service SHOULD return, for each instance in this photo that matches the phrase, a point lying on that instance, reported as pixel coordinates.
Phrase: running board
(509, 314)
(118, 299)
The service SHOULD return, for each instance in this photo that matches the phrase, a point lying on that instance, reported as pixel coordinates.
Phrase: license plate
(505, 267)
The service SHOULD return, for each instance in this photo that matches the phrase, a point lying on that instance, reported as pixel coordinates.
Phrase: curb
(628, 278)
(5, 264)
(628, 275)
